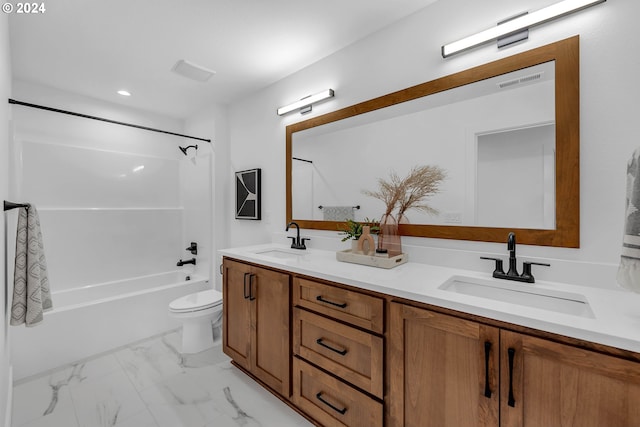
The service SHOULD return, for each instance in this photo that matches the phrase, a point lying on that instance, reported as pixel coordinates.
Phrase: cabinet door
(236, 310)
(441, 369)
(271, 340)
(550, 384)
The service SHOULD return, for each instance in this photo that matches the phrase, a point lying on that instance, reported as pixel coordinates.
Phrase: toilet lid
(197, 301)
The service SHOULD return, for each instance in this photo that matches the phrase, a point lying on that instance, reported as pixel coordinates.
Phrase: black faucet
(296, 242)
(189, 261)
(193, 248)
(511, 247)
(513, 274)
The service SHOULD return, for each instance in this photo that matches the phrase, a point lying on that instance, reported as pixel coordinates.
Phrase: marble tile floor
(149, 384)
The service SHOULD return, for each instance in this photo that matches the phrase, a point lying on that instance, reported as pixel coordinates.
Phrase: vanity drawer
(332, 402)
(351, 354)
(353, 307)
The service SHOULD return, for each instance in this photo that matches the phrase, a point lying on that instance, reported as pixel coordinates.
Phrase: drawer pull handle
(246, 294)
(251, 297)
(512, 400)
(340, 352)
(319, 298)
(340, 411)
(487, 353)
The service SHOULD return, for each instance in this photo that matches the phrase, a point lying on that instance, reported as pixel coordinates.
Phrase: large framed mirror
(506, 133)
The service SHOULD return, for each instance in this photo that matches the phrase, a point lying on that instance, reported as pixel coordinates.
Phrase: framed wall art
(248, 194)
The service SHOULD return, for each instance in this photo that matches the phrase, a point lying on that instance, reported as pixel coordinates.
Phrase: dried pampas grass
(410, 192)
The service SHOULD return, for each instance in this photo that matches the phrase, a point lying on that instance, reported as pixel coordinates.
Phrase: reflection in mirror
(515, 178)
(463, 130)
(506, 133)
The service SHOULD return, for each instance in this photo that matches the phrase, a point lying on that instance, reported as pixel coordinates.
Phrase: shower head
(184, 149)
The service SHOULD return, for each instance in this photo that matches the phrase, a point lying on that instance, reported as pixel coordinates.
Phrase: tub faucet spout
(189, 261)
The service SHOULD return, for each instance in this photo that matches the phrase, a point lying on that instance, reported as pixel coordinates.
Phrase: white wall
(5, 125)
(408, 53)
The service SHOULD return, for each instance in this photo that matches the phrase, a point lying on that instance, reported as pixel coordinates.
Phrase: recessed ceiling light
(124, 93)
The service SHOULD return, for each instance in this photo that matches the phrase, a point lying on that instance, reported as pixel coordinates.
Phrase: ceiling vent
(192, 71)
(520, 80)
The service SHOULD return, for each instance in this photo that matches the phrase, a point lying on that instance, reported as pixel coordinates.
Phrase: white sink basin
(522, 294)
(280, 253)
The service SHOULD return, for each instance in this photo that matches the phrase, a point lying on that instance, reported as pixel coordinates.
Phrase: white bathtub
(92, 319)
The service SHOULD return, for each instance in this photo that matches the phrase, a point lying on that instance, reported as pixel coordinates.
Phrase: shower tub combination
(93, 319)
(117, 206)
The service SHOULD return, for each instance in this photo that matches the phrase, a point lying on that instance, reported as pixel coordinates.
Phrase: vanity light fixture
(523, 22)
(304, 105)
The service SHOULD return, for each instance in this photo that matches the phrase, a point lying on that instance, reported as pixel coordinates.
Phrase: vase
(389, 236)
(366, 244)
(354, 245)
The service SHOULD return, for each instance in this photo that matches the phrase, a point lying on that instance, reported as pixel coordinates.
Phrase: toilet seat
(198, 301)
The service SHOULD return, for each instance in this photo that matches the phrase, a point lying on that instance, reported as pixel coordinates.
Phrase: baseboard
(7, 419)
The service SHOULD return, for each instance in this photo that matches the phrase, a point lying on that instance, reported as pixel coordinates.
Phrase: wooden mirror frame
(566, 54)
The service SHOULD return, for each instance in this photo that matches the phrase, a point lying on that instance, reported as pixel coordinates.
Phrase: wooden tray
(370, 260)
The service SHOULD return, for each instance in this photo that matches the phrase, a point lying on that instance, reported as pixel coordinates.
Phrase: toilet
(197, 312)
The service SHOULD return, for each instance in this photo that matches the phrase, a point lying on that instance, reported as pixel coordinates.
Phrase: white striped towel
(31, 293)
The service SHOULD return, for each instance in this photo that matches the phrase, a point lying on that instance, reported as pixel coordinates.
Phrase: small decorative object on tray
(373, 260)
(352, 230)
(366, 245)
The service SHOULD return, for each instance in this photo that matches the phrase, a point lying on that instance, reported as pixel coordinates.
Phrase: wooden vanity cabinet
(443, 370)
(554, 384)
(448, 371)
(256, 322)
(338, 349)
(322, 345)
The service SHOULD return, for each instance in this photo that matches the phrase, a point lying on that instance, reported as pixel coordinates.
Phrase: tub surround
(615, 321)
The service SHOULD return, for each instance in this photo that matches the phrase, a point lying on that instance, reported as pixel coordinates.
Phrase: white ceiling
(95, 47)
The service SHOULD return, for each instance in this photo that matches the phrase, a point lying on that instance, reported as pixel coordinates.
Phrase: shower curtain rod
(71, 113)
(302, 160)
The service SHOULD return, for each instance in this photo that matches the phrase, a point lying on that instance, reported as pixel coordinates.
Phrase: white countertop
(617, 313)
